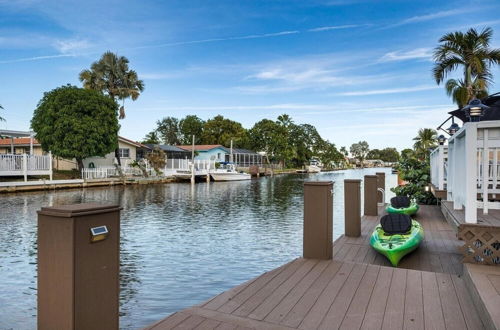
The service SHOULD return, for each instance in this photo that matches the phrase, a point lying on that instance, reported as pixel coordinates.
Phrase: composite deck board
(357, 308)
(414, 305)
(284, 307)
(433, 312)
(374, 315)
(395, 307)
(357, 289)
(309, 298)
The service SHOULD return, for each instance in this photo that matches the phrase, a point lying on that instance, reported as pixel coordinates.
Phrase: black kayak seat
(400, 202)
(395, 223)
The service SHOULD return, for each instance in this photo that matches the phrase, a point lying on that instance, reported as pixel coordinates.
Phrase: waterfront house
(219, 153)
(128, 150)
(171, 152)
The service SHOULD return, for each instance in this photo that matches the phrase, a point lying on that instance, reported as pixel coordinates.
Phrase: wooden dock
(356, 290)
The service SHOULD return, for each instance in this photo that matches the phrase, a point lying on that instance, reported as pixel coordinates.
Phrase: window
(124, 152)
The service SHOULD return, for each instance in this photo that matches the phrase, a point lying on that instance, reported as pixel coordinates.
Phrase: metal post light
(441, 139)
(453, 128)
(475, 110)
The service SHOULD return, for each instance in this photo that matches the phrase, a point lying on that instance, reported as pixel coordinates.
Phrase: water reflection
(180, 244)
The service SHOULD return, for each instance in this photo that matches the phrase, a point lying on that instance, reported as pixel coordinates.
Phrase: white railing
(473, 168)
(439, 161)
(171, 167)
(111, 171)
(24, 165)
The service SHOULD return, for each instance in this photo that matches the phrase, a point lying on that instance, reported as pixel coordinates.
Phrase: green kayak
(396, 246)
(410, 210)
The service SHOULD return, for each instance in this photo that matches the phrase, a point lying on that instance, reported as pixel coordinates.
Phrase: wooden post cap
(75, 210)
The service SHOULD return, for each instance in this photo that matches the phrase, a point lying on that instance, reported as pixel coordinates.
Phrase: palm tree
(425, 139)
(458, 91)
(1, 118)
(471, 52)
(112, 76)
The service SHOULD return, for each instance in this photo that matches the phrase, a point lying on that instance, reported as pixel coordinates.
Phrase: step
(483, 283)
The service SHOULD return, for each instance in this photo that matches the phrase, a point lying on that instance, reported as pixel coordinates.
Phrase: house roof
(25, 141)
(137, 144)
(18, 142)
(166, 147)
(202, 147)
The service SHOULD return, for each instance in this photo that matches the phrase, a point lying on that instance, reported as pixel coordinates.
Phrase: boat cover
(395, 223)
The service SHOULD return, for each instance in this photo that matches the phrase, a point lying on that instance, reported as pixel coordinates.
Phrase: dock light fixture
(441, 139)
(475, 110)
(453, 128)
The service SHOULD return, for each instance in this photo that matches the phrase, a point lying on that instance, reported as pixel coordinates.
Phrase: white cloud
(389, 91)
(436, 15)
(202, 41)
(336, 27)
(418, 53)
(35, 58)
(71, 45)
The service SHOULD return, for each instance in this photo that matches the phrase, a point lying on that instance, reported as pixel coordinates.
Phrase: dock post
(370, 195)
(380, 184)
(352, 207)
(78, 266)
(318, 220)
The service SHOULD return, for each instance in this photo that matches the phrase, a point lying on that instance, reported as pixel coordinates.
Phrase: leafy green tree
(189, 126)
(220, 130)
(472, 53)
(425, 140)
(330, 156)
(417, 175)
(151, 138)
(262, 136)
(389, 155)
(374, 154)
(168, 130)
(77, 123)
(360, 151)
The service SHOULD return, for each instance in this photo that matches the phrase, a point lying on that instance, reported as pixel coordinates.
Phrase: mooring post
(380, 185)
(78, 266)
(370, 195)
(352, 207)
(318, 220)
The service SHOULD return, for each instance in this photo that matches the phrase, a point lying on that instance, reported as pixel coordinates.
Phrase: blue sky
(357, 70)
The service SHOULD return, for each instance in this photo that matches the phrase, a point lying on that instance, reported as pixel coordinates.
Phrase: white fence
(24, 165)
(171, 167)
(474, 148)
(439, 163)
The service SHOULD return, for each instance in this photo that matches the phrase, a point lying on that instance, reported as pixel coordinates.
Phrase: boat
(313, 169)
(391, 239)
(402, 205)
(314, 166)
(227, 172)
(183, 174)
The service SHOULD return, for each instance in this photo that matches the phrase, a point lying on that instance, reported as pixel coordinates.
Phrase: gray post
(370, 195)
(318, 220)
(352, 207)
(78, 267)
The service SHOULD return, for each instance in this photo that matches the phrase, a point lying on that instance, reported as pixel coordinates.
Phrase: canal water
(180, 244)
